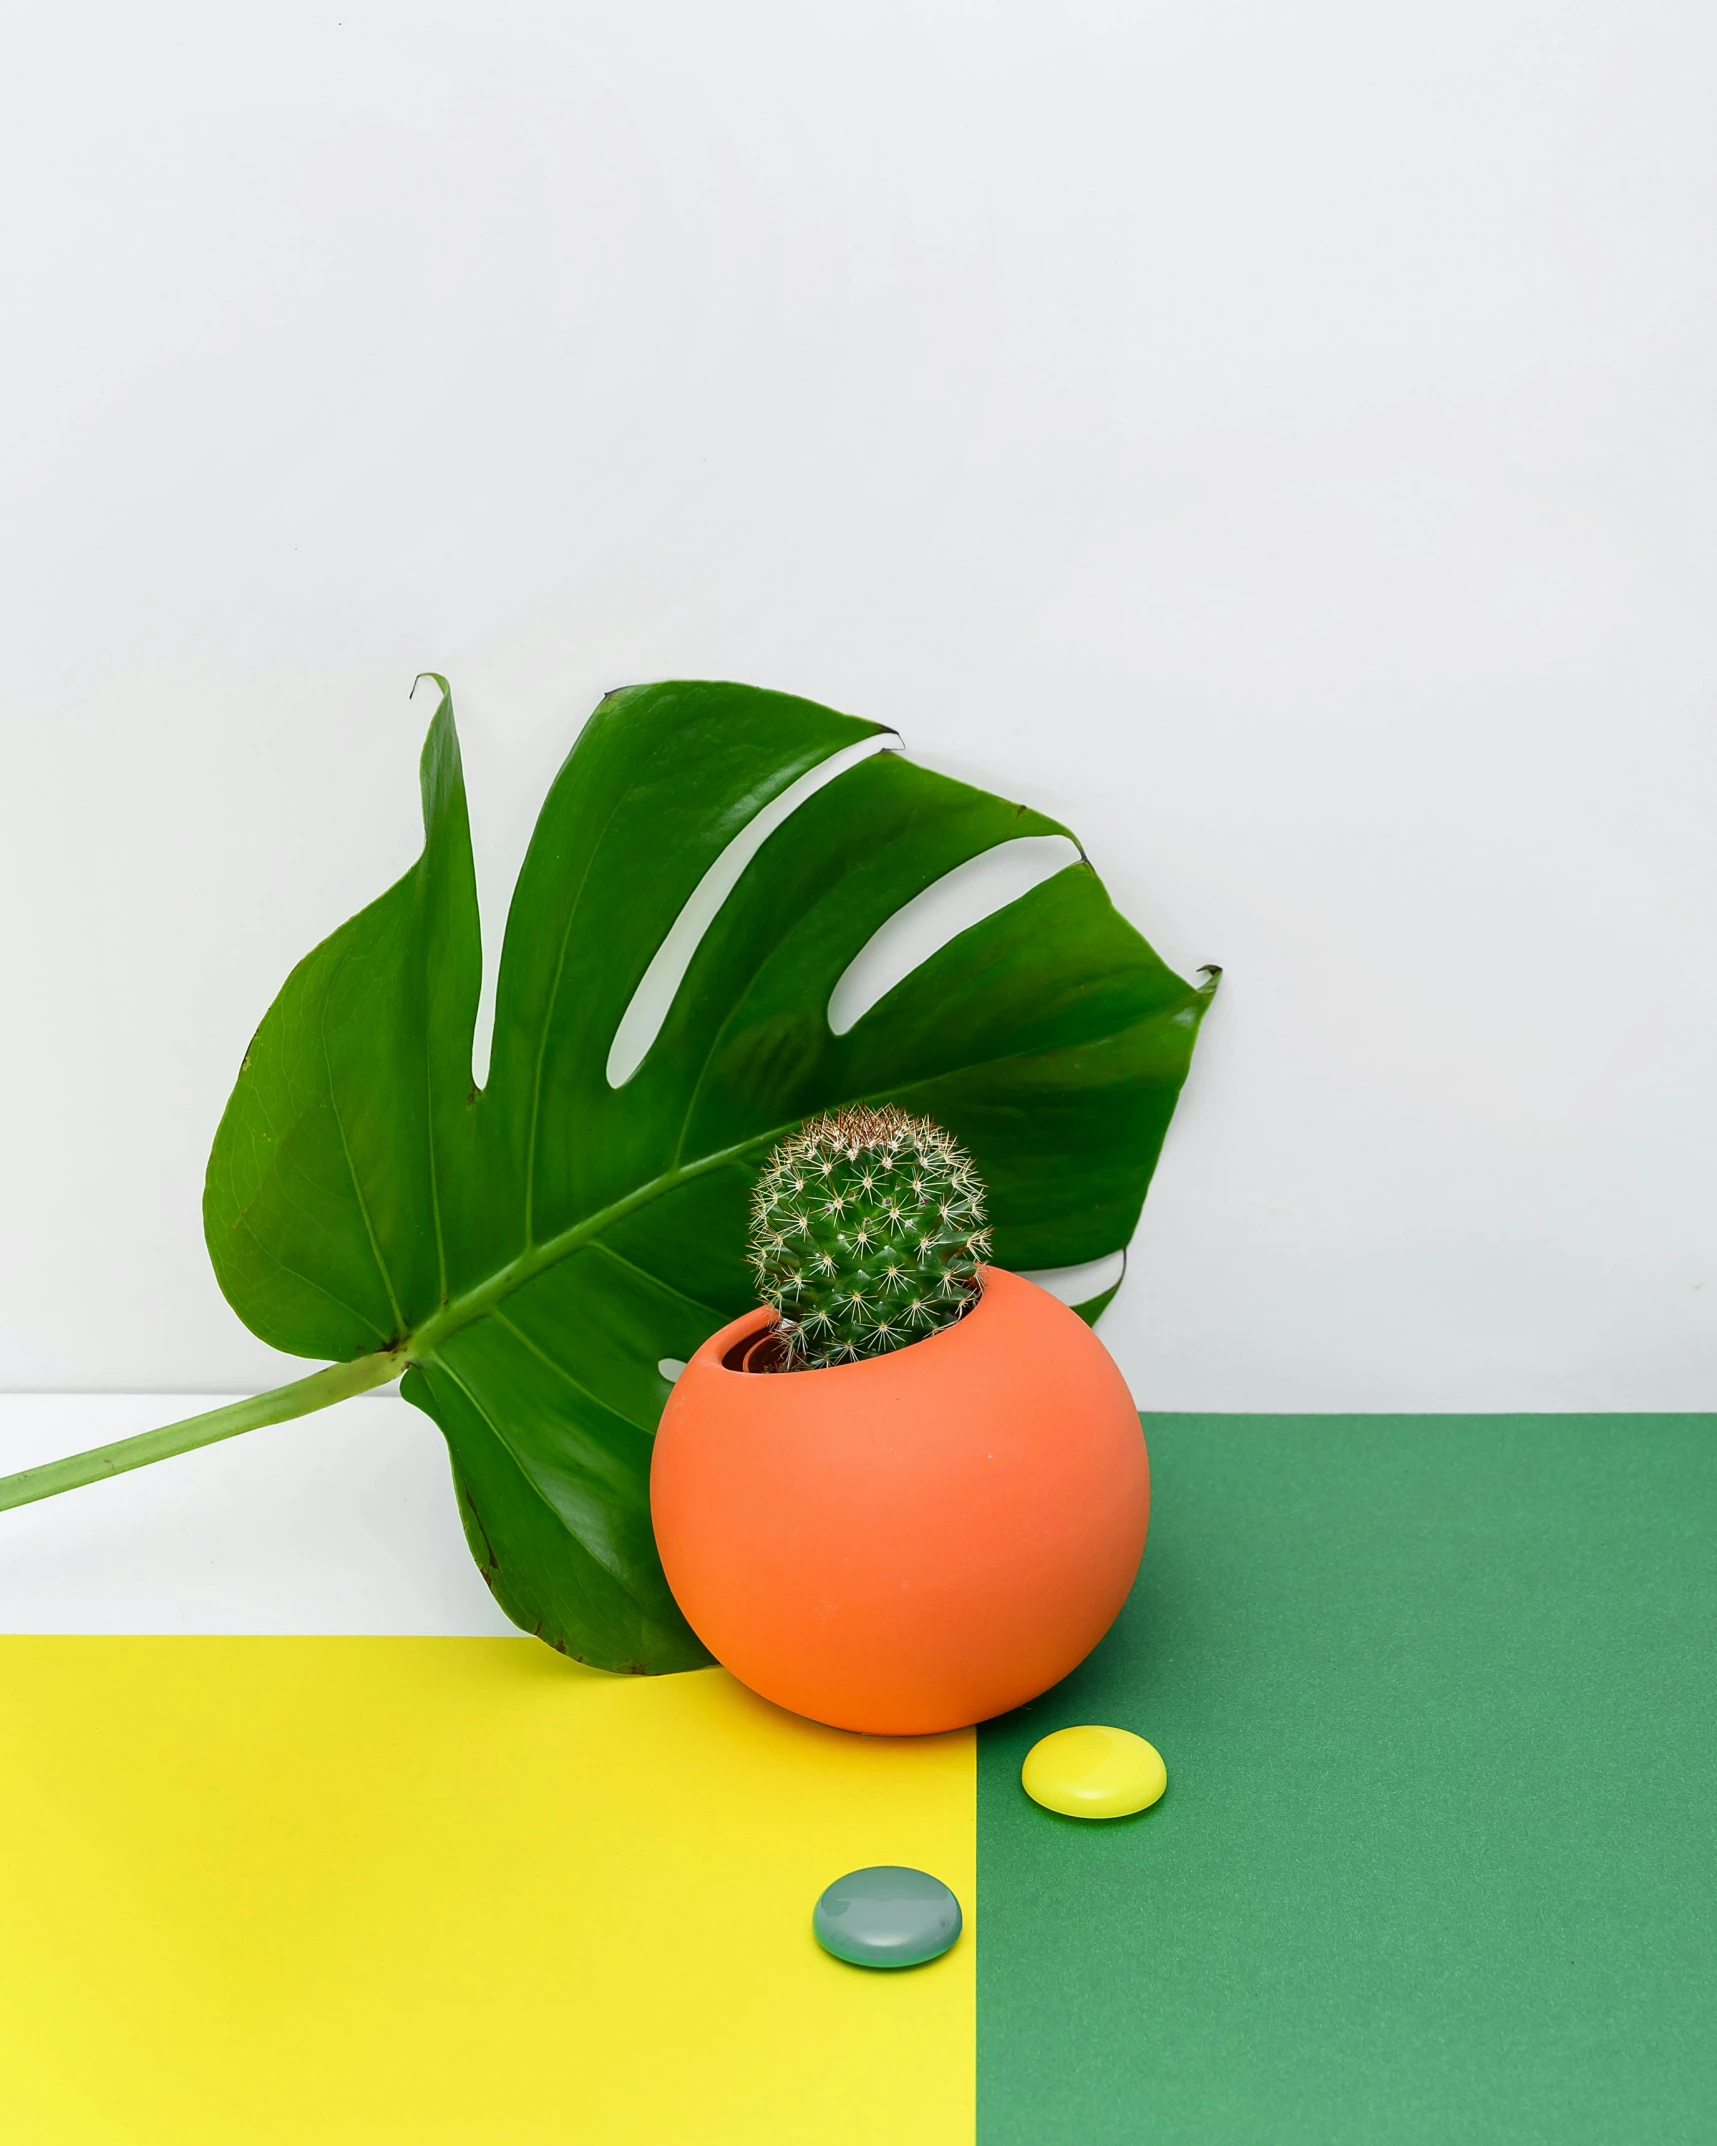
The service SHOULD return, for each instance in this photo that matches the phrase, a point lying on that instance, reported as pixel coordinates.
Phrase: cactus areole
(942, 1510)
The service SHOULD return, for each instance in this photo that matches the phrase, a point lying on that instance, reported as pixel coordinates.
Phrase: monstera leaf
(532, 1252)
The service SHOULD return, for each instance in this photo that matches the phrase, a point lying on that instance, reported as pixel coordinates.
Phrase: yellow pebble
(1094, 1773)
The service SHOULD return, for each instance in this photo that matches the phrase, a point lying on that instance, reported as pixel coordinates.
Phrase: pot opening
(767, 1351)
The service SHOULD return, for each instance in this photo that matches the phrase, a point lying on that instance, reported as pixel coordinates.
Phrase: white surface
(1277, 441)
(342, 1522)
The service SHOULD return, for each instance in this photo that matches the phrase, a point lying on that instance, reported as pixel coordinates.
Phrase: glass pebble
(1094, 1772)
(886, 1916)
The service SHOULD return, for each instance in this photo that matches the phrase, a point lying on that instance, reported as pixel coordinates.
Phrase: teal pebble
(887, 1916)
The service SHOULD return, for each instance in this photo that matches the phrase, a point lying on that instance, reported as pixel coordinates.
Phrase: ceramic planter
(916, 1541)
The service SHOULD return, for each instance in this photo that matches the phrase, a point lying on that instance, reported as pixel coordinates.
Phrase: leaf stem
(338, 1382)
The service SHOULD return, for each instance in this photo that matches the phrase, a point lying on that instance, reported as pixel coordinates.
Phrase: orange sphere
(916, 1541)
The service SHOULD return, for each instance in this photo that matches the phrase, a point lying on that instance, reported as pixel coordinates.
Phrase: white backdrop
(1278, 440)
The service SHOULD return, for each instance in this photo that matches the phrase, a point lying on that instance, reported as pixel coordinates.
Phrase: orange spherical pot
(915, 1541)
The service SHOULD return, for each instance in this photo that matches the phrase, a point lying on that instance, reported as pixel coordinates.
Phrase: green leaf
(535, 1250)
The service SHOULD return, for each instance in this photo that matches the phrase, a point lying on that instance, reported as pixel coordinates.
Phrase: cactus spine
(867, 1231)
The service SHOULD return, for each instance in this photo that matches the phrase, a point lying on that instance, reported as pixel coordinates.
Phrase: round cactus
(867, 1232)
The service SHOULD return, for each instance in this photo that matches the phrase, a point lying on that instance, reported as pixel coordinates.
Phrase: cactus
(867, 1231)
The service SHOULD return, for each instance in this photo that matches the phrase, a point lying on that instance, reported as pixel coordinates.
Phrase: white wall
(1277, 439)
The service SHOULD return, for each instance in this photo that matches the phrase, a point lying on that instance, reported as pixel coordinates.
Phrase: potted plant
(910, 1490)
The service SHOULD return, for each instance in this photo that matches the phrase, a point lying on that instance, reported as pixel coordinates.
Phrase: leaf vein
(559, 1369)
(505, 1443)
(400, 1327)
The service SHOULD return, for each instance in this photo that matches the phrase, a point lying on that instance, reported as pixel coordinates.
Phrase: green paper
(1437, 1858)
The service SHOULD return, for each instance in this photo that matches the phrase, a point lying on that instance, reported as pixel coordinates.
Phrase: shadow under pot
(915, 1541)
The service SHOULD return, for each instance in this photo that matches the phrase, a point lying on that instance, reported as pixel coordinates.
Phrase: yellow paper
(400, 1892)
